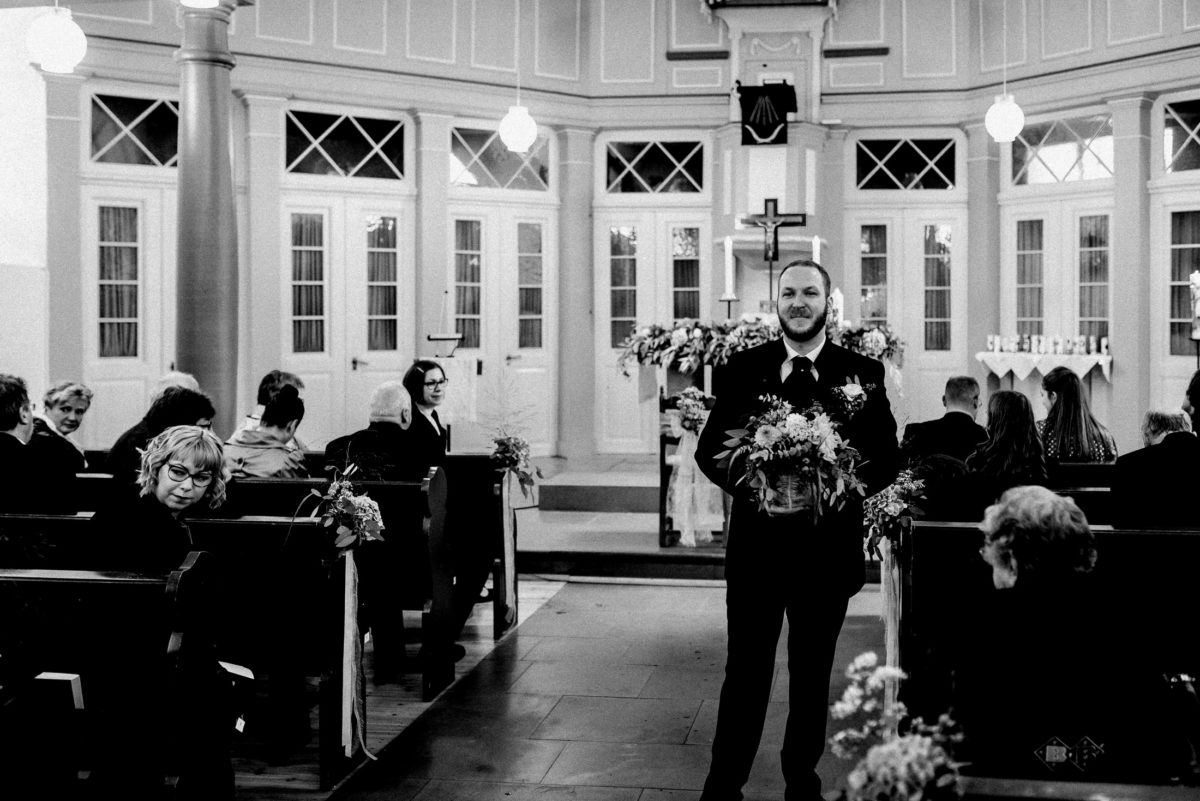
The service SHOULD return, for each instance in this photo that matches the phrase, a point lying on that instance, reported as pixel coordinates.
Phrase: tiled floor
(608, 691)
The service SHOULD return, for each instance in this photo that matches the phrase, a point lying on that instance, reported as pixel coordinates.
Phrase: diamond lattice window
(478, 158)
(1061, 151)
(345, 146)
(1181, 136)
(663, 167)
(905, 164)
(135, 130)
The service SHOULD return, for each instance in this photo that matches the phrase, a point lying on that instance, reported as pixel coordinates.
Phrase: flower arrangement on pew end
(795, 459)
(883, 511)
(354, 516)
(693, 405)
(512, 454)
(897, 758)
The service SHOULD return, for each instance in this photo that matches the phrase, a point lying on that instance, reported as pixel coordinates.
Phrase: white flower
(796, 426)
(894, 508)
(867, 659)
(766, 436)
(697, 333)
(883, 674)
(679, 336)
(853, 391)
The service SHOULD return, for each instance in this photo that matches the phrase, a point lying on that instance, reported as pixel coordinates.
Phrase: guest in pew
(1191, 401)
(55, 458)
(426, 441)
(1070, 433)
(180, 468)
(1011, 456)
(1153, 486)
(380, 453)
(16, 427)
(63, 408)
(176, 406)
(268, 388)
(955, 433)
(1047, 658)
(264, 451)
(174, 378)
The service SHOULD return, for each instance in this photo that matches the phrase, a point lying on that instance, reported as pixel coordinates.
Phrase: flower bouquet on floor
(794, 459)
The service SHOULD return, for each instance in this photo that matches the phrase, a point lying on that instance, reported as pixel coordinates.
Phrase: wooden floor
(390, 708)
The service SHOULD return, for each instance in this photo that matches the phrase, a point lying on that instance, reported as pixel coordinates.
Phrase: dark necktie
(800, 384)
(433, 414)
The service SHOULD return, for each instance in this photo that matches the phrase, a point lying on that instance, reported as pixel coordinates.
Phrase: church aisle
(608, 691)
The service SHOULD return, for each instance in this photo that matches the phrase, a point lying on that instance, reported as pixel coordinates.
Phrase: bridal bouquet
(795, 459)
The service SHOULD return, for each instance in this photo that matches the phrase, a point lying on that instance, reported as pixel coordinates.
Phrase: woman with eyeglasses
(426, 437)
(181, 468)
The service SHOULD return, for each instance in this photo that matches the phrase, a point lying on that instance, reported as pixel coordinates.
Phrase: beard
(802, 329)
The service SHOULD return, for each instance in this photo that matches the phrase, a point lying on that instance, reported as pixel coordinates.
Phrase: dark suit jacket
(1155, 487)
(378, 450)
(17, 479)
(954, 434)
(739, 384)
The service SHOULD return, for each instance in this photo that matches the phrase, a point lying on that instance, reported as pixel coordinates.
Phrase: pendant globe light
(1004, 120)
(517, 130)
(55, 42)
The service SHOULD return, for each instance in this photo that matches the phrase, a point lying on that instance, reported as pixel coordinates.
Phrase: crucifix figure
(771, 220)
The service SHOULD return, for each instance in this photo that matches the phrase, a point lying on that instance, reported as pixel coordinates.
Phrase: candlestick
(729, 267)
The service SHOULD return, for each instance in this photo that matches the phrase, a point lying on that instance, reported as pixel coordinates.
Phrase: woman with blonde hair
(181, 468)
(1070, 433)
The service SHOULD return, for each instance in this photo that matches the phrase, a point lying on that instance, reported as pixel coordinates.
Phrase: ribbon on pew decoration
(354, 698)
(889, 576)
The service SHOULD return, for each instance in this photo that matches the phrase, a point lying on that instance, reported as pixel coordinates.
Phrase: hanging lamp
(200, 3)
(517, 130)
(55, 41)
(1004, 120)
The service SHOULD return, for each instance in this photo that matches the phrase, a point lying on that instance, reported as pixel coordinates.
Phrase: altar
(1022, 371)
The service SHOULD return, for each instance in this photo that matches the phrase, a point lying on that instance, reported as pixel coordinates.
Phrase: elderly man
(16, 426)
(1153, 486)
(378, 452)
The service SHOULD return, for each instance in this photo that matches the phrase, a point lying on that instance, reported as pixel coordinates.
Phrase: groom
(775, 565)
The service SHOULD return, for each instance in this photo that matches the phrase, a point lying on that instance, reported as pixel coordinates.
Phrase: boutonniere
(848, 399)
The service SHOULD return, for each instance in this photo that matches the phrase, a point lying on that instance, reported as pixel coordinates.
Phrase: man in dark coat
(778, 564)
(1154, 487)
(16, 426)
(955, 433)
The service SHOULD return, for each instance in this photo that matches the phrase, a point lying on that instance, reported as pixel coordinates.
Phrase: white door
(650, 267)
(907, 268)
(128, 248)
(347, 280)
(504, 285)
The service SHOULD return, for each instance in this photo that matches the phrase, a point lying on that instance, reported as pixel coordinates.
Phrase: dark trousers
(381, 600)
(757, 597)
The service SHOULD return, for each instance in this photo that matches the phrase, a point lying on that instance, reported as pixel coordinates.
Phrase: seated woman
(1070, 433)
(264, 452)
(51, 454)
(1046, 675)
(180, 468)
(176, 406)
(1012, 455)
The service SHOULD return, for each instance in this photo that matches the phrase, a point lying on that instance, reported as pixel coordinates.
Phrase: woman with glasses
(426, 437)
(180, 468)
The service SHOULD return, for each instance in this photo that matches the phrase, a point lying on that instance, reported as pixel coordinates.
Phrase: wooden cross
(771, 220)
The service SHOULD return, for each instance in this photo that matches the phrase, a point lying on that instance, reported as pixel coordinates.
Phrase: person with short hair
(63, 408)
(174, 378)
(16, 427)
(378, 450)
(268, 387)
(1152, 486)
(264, 451)
(955, 433)
(1070, 433)
(175, 406)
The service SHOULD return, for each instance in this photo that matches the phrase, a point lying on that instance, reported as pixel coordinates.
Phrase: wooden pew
(1146, 575)
(1083, 474)
(142, 647)
(280, 607)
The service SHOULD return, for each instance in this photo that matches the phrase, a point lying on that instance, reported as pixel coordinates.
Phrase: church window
(1063, 151)
(622, 265)
(134, 130)
(119, 281)
(685, 261)
(382, 283)
(1181, 136)
(529, 285)
(1030, 255)
(468, 283)
(874, 268)
(937, 287)
(1185, 259)
(344, 145)
(479, 159)
(1093, 275)
(308, 283)
(905, 164)
(655, 167)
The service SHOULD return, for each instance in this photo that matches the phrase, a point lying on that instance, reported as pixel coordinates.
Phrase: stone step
(601, 492)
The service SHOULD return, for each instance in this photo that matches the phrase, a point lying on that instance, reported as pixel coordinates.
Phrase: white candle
(816, 248)
(729, 267)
